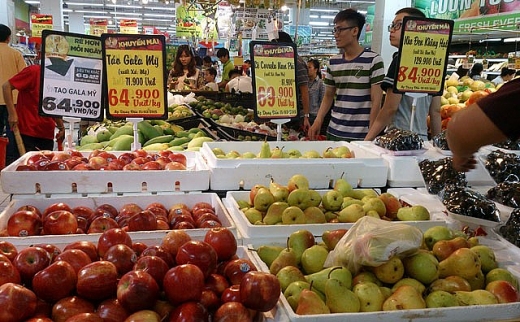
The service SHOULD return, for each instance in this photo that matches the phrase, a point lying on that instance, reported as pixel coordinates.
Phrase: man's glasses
(395, 26)
(337, 30)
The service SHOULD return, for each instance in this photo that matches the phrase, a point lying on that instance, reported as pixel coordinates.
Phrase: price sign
(423, 55)
(40, 22)
(71, 79)
(135, 76)
(274, 80)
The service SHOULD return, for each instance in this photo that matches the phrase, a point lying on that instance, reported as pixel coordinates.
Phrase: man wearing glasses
(397, 108)
(353, 79)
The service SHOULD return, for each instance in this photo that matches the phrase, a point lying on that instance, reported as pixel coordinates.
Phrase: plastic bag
(372, 242)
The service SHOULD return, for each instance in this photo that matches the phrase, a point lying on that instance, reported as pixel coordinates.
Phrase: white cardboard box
(194, 178)
(367, 169)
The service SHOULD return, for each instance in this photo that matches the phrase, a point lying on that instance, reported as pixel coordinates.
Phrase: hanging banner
(251, 19)
(135, 74)
(423, 55)
(128, 26)
(188, 20)
(40, 22)
(71, 77)
(98, 26)
(274, 80)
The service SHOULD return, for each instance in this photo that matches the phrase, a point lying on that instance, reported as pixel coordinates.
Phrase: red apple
(8, 250)
(199, 212)
(162, 161)
(39, 319)
(97, 162)
(144, 316)
(43, 310)
(126, 157)
(102, 224)
(113, 237)
(86, 246)
(137, 290)
(217, 283)
(132, 166)
(142, 221)
(17, 302)
(189, 311)
(504, 291)
(175, 220)
(151, 165)
(8, 273)
(205, 217)
(159, 211)
(129, 209)
(82, 225)
(107, 155)
(112, 311)
(24, 223)
(51, 249)
(198, 253)
(82, 167)
(97, 281)
(178, 157)
(115, 165)
(74, 161)
(201, 204)
(139, 161)
(60, 222)
(54, 282)
(140, 153)
(210, 300)
(231, 294)
(260, 291)
(232, 311)
(31, 208)
(60, 156)
(188, 278)
(85, 317)
(235, 269)
(70, 306)
(54, 207)
(163, 308)
(138, 248)
(75, 257)
(173, 240)
(162, 225)
(157, 250)
(210, 223)
(174, 166)
(153, 265)
(122, 256)
(106, 209)
(84, 212)
(41, 164)
(56, 166)
(33, 159)
(30, 261)
(223, 242)
(25, 167)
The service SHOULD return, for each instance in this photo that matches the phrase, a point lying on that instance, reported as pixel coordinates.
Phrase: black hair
(222, 52)
(507, 71)
(412, 12)
(284, 37)
(351, 15)
(476, 69)
(207, 59)
(5, 32)
(316, 65)
(233, 72)
(461, 71)
(198, 61)
(178, 69)
(211, 71)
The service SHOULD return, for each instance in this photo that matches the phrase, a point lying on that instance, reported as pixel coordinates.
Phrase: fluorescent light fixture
(125, 13)
(490, 40)
(32, 2)
(155, 19)
(160, 8)
(155, 15)
(314, 16)
(67, 10)
(318, 23)
(124, 6)
(94, 16)
(327, 17)
(85, 4)
(325, 10)
(91, 11)
(511, 39)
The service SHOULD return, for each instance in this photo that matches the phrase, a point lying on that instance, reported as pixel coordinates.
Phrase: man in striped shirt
(353, 78)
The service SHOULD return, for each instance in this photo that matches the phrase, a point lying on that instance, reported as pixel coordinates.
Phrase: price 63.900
(67, 104)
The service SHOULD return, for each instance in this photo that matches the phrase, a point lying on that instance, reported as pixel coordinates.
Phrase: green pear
(293, 215)
(287, 257)
(332, 200)
(331, 216)
(409, 281)
(314, 198)
(441, 299)
(463, 262)
(314, 215)
(498, 274)
(406, 297)
(366, 276)
(372, 213)
(487, 257)
(332, 237)
(253, 215)
(375, 204)
(289, 274)
(319, 279)
(392, 205)
(343, 186)
(370, 297)
(450, 284)
(279, 192)
(478, 281)
(436, 233)
(476, 297)
(360, 193)
(413, 213)
(293, 291)
(347, 201)
(342, 152)
(218, 151)
(313, 258)
(294, 153)
(328, 153)
(268, 253)
(351, 213)
(277, 153)
(299, 241)
(391, 271)
(340, 299)
(298, 181)
(242, 204)
(274, 213)
(233, 154)
(263, 199)
(248, 155)
(299, 198)
(310, 303)
(386, 291)
(311, 154)
(422, 266)
(265, 150)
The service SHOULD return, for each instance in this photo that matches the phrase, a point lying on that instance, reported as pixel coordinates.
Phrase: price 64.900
(67, 104)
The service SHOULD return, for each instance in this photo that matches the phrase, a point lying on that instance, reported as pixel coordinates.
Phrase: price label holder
(273, 69)
(71, 121)
(422, 58)
(71, 78)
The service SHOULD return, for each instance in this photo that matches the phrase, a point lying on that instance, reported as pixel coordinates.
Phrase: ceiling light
(314, 16)
(490, 40)
(511, 39)
(318, 23)
(91, 11)
(327, 17)
(125, 13)
(325, 10)
(85, 4)
(32, 2)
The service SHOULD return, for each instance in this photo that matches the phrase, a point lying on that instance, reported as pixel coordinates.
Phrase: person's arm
(325, 106)
(376, 96)
(304, 92)
(385, 115)
(435, 116)
(61, 128)
(7, 89)
(468, 130)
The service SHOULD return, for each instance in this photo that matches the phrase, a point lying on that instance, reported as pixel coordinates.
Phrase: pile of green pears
(451, 269)
(296, 203)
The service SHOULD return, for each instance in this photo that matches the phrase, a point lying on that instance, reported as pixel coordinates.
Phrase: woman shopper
(185, 75)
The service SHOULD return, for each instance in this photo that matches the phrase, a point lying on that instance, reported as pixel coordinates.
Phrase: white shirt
(243, 84)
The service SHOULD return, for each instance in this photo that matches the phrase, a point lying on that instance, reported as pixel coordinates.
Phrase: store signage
(274, 79)
(71, 77)
(134, 74)
(98, 26)
(128, 26)
(40, 22)
(423, 55)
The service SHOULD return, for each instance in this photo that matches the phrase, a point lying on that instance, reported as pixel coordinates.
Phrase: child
(209, 78)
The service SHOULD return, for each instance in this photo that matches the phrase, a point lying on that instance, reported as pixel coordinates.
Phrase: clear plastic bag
(372, 242)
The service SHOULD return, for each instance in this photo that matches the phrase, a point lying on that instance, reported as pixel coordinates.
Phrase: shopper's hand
(13, 121)
(60, 135)
(314, 130)
(464, 163)
(306, 124)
